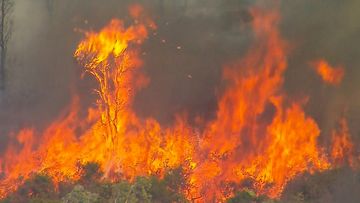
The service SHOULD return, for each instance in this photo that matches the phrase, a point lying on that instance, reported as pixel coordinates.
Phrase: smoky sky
(184, 59)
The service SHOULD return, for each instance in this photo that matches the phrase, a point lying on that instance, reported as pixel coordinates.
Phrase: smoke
(335, 186)
(183, 58)
(324, 30)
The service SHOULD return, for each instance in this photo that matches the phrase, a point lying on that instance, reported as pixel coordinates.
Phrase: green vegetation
(39, 188)
(80, 195)
(249, 196)
(90, 188)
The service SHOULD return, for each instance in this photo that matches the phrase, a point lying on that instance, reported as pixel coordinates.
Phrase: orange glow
(330, 75)
(258, 135)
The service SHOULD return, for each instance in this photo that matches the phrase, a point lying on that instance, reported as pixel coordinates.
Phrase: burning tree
(109, 61)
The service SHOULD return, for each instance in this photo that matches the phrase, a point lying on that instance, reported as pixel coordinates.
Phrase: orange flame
(342, 146)
(257, 135)
(124, 145)
(330, 75)
(241, 143)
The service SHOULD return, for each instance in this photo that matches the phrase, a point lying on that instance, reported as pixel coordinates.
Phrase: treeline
(91, 189)
(325, 186)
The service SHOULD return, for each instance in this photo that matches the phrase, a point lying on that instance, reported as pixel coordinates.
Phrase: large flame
(121, 143)
(258, 134)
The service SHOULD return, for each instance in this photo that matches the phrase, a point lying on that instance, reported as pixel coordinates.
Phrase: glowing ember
(258, 135)
(329, 74)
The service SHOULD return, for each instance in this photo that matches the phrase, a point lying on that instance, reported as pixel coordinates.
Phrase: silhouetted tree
(90, 176)
(50, 7)
(5, 34)
(39, 188)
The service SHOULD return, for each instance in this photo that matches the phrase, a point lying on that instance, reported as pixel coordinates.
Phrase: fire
(258, 134)
(329, 74)
(342, 146)
(245, 141)
(112, 135)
